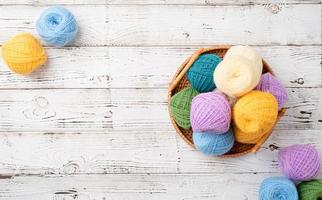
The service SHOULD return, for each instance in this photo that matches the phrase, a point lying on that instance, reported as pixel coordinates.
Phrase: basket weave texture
(180, 82)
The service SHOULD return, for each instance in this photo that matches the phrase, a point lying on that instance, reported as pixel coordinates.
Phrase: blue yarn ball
(213, 143)
(57, 26)
(278, 188)
(200, 74)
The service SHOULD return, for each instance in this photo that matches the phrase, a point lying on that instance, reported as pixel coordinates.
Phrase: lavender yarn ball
(299, 162)
(212, 143)
(210, 112)
(269, 83)
(278, 188)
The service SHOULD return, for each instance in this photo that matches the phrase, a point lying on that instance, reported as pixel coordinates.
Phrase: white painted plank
(140, 186)
(57, 2)
(133, 152)
(128, 25)
(303, 110)
(106, 111)
(195, 25)
(157, 2)
(150, 67)
(213, 2)
(137, 187)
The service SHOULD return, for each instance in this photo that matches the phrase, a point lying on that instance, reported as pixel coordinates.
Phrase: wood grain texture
(93, 124)
(139, 186)
(214, 2)
(105, 111)
(129, 186)
(135, 25)
(150, 67)
(195, 25)
(158, 2)
(136, 152)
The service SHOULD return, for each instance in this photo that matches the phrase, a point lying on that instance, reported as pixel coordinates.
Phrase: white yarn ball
(236, 75)
(247, 52)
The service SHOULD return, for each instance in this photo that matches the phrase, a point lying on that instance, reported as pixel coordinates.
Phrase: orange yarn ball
(254, 114)
(23, 53)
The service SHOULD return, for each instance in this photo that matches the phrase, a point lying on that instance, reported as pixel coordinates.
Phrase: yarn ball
(210, 112)
(23, 53)
(254, 114)
(236, 75)
(310, 190)
(212, 143)
(57, 26)
(200, 74)
(269, 83)
(180, 105)
(299, 162)
(278, 188)
(247, 52)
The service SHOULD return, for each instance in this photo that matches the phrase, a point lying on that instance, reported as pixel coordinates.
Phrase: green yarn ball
(310, 190)
(201, 73)
(180, 105)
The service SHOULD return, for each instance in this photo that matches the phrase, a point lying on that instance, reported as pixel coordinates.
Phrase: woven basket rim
(180, 73)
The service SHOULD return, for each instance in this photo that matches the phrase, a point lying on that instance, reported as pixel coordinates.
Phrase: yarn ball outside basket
(212, 143)
(254, 114)
(278, 188)
(180, 82)
(23, 53)
(310, 190)
(57, 26)
(299, 162)
(271, 84)
(210, 112)
(200, 75)
(180, 105)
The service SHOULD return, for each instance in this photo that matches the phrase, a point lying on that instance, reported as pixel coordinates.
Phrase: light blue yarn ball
(57, 26)
(200, 74)
(213, 143)
(278, 188)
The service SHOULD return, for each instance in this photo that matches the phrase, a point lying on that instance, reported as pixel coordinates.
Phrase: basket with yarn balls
(217, 80)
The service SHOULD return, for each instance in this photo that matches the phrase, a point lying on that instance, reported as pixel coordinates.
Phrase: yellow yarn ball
(236, 75)
(254, 115)
(247, 52)
(23, 53)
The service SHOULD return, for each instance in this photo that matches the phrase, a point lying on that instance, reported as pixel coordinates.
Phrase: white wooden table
(92, 124)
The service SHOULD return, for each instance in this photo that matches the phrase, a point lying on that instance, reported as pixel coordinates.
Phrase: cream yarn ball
(247, 52)
(236, 75)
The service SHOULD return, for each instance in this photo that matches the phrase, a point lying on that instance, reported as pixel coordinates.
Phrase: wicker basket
(180, 81)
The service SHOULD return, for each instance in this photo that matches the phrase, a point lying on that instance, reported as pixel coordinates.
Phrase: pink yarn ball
(299, 162)
(269, 83)
(210, 112)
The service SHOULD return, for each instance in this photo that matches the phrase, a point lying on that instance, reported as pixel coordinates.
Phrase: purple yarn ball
(299, 162)
(210, 112)
(269, 83)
